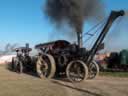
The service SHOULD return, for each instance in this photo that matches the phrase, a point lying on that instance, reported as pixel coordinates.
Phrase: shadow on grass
(10, 68)
(77, 89)
(58, 81)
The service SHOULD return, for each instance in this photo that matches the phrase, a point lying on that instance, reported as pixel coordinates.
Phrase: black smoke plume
(74, 12)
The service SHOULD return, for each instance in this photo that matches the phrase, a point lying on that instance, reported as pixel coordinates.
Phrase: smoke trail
(9, 48)
(74, 12)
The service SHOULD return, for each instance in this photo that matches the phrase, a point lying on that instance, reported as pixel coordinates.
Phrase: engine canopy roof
(54, 44)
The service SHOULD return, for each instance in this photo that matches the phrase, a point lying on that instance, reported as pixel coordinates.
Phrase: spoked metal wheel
(13, 64)
(45, 66)
(93, 70)
(17, 65)
(77, 71)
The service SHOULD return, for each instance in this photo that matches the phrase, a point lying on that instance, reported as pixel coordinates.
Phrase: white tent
(6, 58)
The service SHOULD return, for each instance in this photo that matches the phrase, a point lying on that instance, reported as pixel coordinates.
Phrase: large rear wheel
(77, 71)
(45, 66)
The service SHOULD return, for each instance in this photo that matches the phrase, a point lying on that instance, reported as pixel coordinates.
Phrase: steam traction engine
(23, 62)
(62, 57)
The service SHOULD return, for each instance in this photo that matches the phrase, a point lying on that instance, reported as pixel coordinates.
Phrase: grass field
(13, 84)
(114, 74)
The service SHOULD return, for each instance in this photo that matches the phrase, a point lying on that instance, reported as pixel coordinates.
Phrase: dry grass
(115, 74)
(13, 84)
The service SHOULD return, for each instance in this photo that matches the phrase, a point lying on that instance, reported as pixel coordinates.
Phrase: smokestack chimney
(80, 39)
(27, 48)
(27, 45)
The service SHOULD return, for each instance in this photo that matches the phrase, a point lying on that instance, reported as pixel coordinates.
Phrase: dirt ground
(13, 84)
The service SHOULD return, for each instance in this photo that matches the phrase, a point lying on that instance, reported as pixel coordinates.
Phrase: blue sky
(23, 21)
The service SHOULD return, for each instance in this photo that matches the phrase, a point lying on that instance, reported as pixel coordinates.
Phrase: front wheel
(77, 71)
(13, 64)
(17, 65)
(93, 70)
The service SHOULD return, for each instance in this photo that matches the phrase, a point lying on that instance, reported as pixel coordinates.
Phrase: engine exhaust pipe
(80, 39)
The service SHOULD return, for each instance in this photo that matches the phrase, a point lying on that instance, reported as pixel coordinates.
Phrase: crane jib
(113, 16)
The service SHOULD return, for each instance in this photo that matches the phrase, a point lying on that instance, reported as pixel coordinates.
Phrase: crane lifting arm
(113, 16)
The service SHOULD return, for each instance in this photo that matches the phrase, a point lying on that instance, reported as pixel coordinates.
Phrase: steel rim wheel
(13, 64)
(93, 70)
(45, 66)
(18, 66)
(77, 71)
